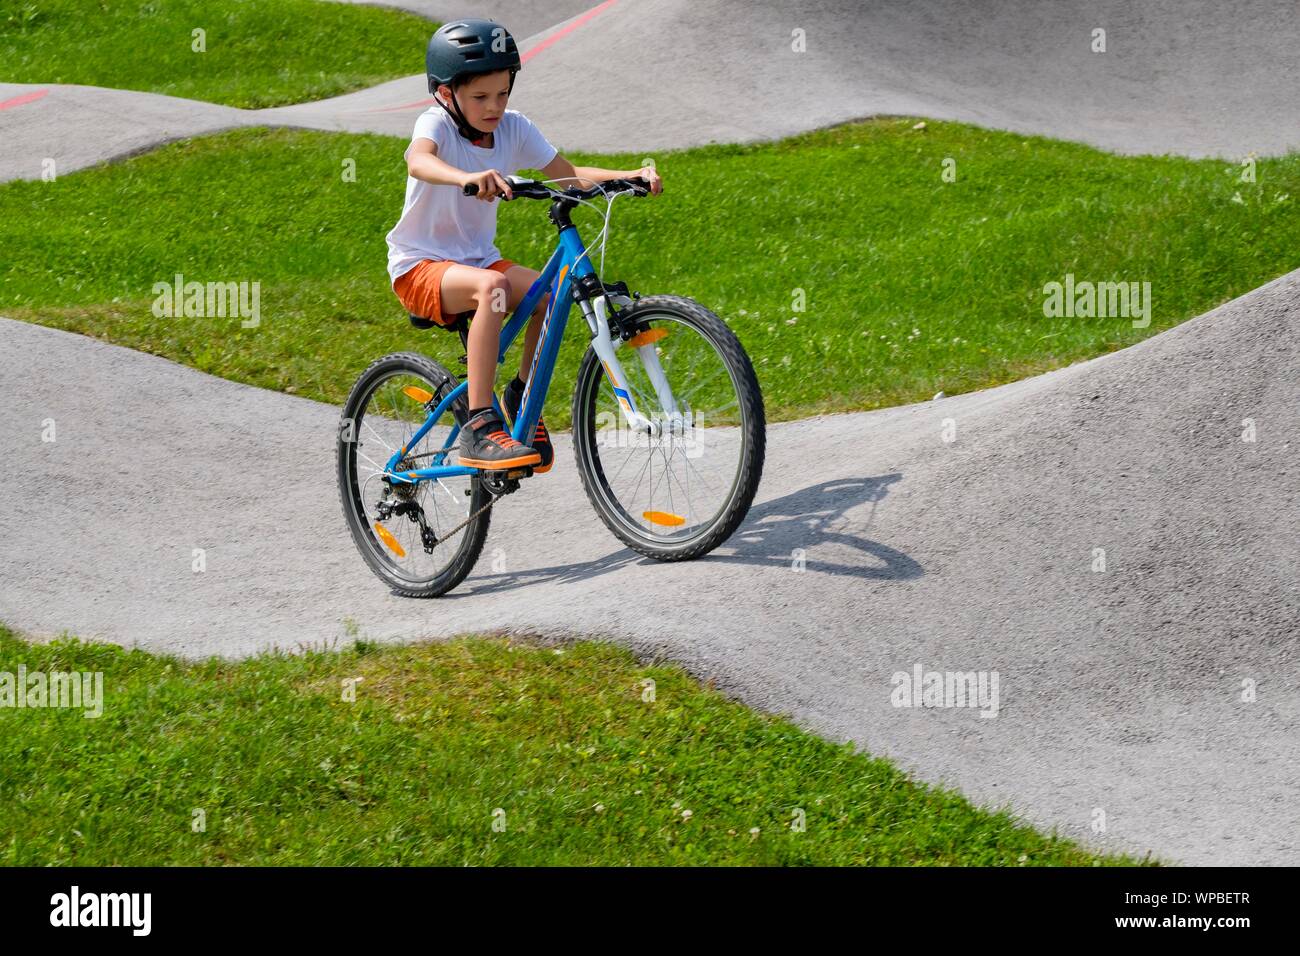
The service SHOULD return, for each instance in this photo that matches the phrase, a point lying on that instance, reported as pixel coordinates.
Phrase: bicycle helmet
(467, 48)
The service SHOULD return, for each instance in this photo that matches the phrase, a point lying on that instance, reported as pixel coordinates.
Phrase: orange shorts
(420, 289)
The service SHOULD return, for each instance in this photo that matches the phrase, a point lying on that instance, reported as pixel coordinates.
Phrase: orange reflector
(646, 337)
(663, 517)
(386, 536)
(419, 394)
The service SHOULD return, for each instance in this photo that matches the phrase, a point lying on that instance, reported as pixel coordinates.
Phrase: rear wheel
(678, 493)
(391, 521)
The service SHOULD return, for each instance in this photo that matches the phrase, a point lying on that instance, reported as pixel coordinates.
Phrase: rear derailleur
(404, 506)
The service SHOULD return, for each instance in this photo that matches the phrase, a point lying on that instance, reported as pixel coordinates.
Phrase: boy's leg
(521, 279)
(484, 442)
(487, 292)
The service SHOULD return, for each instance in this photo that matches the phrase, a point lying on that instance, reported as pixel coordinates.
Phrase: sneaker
(541, 440)
(484, 443)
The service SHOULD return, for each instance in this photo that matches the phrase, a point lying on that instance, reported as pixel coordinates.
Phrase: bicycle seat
(420, 322)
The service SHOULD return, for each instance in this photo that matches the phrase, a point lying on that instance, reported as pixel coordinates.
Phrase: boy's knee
(494, 288)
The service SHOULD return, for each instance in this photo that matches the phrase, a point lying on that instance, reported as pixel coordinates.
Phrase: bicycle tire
(470, 541)
(753, 429)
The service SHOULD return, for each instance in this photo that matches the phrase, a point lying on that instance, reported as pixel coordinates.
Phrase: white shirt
(440, 222)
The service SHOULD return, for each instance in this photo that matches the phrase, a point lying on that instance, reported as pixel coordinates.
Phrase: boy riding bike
(441, 254)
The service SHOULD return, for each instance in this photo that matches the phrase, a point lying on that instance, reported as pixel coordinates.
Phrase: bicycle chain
(493, 500)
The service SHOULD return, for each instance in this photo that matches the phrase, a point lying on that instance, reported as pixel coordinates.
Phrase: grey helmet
(468, 47)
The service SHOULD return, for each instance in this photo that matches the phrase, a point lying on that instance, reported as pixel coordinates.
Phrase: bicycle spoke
(668, 480)
(640, 478)
(686, 495)
(698, 385)
(626, 459)
(379, 468)
(698, 474)
(385, 420)
(378, 437)
(690, 474)
(443, 486)
(713, 412)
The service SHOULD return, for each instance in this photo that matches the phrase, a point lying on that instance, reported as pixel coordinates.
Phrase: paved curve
(1197, 77)
(1119, 690)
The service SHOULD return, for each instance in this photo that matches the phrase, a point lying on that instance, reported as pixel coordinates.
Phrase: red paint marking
(24, 98)
(523, 58)
(569, 29)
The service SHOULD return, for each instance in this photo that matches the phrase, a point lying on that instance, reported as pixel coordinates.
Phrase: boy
(441, 255)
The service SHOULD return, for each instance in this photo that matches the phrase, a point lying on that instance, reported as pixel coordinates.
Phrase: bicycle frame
(567, 262)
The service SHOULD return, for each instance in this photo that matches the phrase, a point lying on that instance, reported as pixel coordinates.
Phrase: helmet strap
(471, 133)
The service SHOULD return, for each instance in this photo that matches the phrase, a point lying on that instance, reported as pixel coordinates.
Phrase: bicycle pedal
(507, 474)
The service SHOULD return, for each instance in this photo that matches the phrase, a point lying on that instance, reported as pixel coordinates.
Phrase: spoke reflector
(386, 536)
(417, 393)
(664, 518)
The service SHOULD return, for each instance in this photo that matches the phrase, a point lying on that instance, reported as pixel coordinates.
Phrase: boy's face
(483, 99)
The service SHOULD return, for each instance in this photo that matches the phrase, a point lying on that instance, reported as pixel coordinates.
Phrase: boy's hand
(490, 185)
(650, 175)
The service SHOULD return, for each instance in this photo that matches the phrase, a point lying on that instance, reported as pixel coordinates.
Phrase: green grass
(913, 285)
(258, 52)
(564, 743)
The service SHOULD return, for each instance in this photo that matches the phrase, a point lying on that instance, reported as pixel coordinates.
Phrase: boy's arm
(559, 168)
(422, 163)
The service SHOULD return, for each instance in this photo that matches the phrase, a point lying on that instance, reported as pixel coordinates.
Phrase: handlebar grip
(471, 189)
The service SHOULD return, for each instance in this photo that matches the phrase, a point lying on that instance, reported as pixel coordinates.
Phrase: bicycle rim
(386, 417)
(671, 489)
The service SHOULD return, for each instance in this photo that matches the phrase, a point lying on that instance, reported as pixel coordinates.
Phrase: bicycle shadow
(776, 533)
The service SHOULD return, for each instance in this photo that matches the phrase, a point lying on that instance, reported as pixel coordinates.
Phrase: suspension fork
(596, 311)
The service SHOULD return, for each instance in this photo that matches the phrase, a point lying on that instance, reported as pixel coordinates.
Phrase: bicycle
(664, 385)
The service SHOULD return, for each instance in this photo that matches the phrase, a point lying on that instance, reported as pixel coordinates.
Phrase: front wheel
(680, 491)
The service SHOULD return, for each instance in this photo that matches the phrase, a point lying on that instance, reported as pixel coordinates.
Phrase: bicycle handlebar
(535, 189)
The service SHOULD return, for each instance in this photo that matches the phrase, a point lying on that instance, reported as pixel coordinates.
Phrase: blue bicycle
(669, 429)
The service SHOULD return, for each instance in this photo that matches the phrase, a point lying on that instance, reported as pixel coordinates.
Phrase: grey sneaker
(510, 399)
(484, 443)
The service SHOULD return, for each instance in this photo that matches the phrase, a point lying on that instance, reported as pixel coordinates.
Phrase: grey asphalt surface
(1120, 690)
(1194, 77)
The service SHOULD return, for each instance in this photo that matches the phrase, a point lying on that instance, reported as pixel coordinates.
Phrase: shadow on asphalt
(775, 534)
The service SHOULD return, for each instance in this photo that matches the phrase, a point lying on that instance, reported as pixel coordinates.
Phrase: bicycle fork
(596, 311)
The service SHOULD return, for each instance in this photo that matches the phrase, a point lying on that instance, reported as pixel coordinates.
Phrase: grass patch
(912, 284)
(585, 771)
(257, 54)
